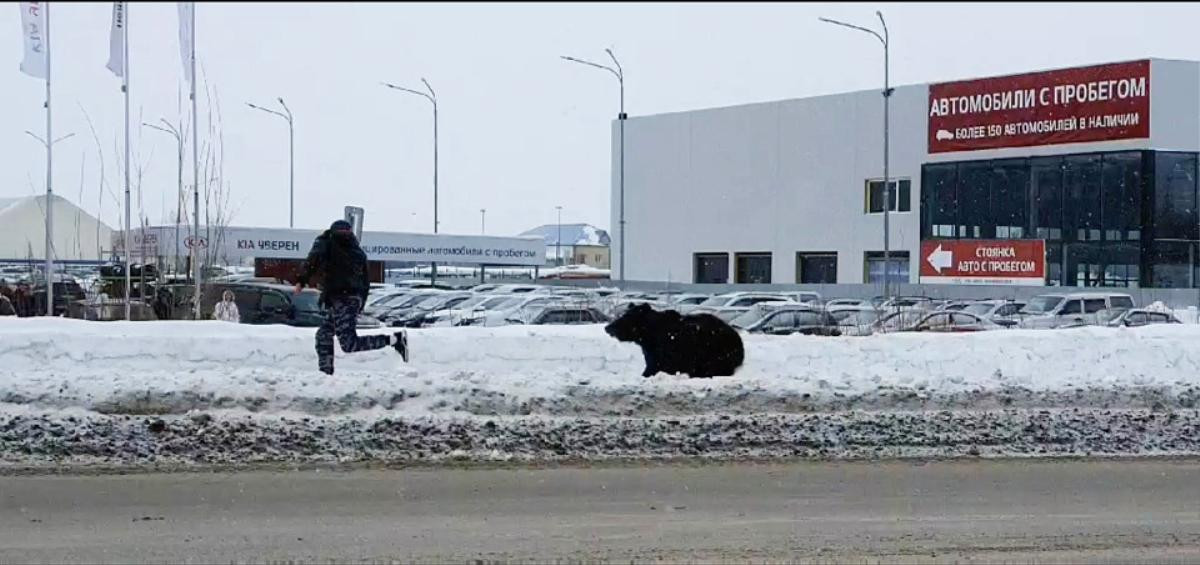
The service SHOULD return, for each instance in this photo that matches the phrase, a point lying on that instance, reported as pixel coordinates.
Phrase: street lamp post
(482, 221)
(887, 96)
(431, 96)
(621, 117)
(179, 180)
(49, 209)
(291, 157)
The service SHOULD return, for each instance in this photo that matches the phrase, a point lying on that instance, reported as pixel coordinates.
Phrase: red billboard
(978, 261)
(1099, 103)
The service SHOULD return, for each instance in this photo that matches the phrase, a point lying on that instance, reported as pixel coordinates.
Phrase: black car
(265, 303)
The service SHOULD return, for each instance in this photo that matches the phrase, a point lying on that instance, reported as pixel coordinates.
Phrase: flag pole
(125, 90)
(49, 189)
(195, 167)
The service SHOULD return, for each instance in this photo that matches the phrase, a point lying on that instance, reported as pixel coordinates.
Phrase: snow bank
(176, 367)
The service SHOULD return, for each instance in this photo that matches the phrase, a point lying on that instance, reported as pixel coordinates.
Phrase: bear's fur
(698, 345)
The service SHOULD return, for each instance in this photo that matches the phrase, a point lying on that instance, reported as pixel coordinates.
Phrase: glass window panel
(1046, 180)
(974, 195)
(712, 268)
(1175, 196)
(753, 268)
(1081, 196)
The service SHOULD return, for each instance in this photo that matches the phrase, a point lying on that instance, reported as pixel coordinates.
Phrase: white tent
(77, 234)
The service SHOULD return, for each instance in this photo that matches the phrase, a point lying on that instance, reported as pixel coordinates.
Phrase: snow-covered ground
(118, 376)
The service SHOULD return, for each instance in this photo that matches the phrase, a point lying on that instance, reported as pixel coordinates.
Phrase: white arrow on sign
(941, 259)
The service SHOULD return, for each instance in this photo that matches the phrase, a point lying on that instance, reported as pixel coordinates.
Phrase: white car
(466, 309)
(496, 315)
(729, 306)
(1049, 311)
(854, 320)
(684, 300)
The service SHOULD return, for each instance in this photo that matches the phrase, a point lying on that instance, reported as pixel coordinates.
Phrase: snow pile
(176, 367)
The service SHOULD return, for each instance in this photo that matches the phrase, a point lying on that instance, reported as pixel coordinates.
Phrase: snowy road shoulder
(210, 392)
(176, 367)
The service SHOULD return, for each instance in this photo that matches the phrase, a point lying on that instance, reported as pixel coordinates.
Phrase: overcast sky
(521, 130)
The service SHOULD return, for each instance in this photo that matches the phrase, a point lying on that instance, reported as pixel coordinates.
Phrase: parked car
(400, 307)
(786, 319)
(848, 302)
(898, 321)
(1002, 312)
(905, 303)
(854, 320)
(557, 314)
(954, 305)
(687, 299)
(418, 315)
(500, 315)
(447, 317)
(1135, 317)
(950, 321)
(803, 296)
(1073, 309)
(265, 303)
(730, 306)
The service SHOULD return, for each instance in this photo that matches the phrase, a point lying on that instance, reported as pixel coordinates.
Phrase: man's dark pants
(341, 318)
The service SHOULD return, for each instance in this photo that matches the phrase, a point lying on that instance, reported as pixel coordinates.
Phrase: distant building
(581, 244)
(78, 236)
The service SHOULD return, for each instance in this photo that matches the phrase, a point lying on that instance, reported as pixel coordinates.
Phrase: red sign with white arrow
(978, 261)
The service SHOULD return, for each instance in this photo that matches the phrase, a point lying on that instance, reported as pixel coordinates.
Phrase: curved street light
(291, 156)
(619, 73)
(887, 96)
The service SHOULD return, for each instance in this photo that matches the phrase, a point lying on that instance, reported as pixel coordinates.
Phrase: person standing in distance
(342, 266)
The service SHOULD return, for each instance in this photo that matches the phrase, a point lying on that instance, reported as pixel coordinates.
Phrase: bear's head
(634, 324)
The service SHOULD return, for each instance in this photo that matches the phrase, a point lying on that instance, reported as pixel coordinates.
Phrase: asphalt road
(985, 511)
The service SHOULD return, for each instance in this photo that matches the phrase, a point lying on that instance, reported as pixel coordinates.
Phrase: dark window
(807, 319)
(1121, 181)
(1175, 196)
(1136, 319)
(753, 268)
(1121, 301)
(1157, 318)
(1010, 199)
(1093, 305)
(1071, 307)
(897, 270)
(974, 199)
(1081, 198)
(1046, 181)
(712, 268)
(901, 196)
(274, 300)
(816, 268)
(1173, 264)
(1008, 309)
(782, 320)
(939, 185)
(1102, 264)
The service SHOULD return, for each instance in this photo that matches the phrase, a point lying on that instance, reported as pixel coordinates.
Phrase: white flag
(37, 42)
(116, 40)
(186, 36)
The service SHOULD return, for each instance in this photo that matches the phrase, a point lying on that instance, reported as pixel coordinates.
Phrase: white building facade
(781, 192)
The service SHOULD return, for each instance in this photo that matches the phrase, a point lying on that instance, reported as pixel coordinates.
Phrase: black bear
(698, 345)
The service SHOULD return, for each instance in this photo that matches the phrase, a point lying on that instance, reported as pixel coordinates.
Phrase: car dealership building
(1076, 177)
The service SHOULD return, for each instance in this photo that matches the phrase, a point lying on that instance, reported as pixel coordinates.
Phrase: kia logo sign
(194, 242)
